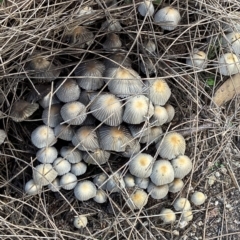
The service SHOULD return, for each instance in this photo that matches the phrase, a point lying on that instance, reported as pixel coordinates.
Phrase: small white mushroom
(168, 18)
(62, 166)
(47, 155)
(80, 221)
(68, 181)
(146, 8)
(85, 190)
(101, 196)
(198, 198)
(43, 136)
(44, 174)
(32, 188)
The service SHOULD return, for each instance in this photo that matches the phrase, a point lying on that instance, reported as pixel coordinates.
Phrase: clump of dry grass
(213, 133)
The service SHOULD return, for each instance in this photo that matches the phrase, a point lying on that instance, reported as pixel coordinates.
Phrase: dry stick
(206, 218)
(186, 132)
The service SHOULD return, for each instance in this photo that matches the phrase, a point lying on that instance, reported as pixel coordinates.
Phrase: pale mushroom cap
(21, 110)
(123, 82)
(182, 204)
(68, 90)
(167, 215)
(137, 110)
(42, 69)
(47, 155)
(3, 135)
(160, 116)
(146, 8)
(90, 75)
(115, 183)
(198, 198)
(112, 42)
(157, 192)
(54, 186)
(182, 165)
(68, 181)
(48, 99)
(100, 180)
(85, 190)
(43, 136)
(176, 185)
(80, 221)
(98, 157)
(101, 196)
(232, 40)
(132, 149)
(154, 135)
(108, 109)
(78, 35)
(171, 112)
(129, 180)
(168, 18)
(44, 174)
(187, 216)
(159, 91)
(64, 132)
(32, 188)
(73, 113)
(78, 168)
(228, 64)
(140, 130)
(62, 166)
(141, 165)
(172, 145)
(138, 199)
(51, 115)
(114, 138)
(142, 182)
(197, 59)
(85, 138)
(162, 172)
(149, 46)
(72, 154)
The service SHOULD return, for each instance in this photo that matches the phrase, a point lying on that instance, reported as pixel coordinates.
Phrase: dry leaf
(228, 90)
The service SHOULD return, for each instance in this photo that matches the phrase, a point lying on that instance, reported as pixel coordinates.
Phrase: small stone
(228, 206)
(183, 224)
(175, 232)
(184, 237)
(200, 223)
(216, 203)
(217, 174)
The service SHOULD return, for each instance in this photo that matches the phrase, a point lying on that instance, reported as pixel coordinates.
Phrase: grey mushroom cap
(44, 174)
(86, 139)
(51, 115)
(22, 109)
(42, 68)
(43, 136)
(68, 90)
(47, 155)
(85, 190)
(3, 136)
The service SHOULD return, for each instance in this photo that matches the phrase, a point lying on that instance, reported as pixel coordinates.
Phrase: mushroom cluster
(106, 108)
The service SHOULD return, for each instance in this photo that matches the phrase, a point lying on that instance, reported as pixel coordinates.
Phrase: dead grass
(212, 133)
